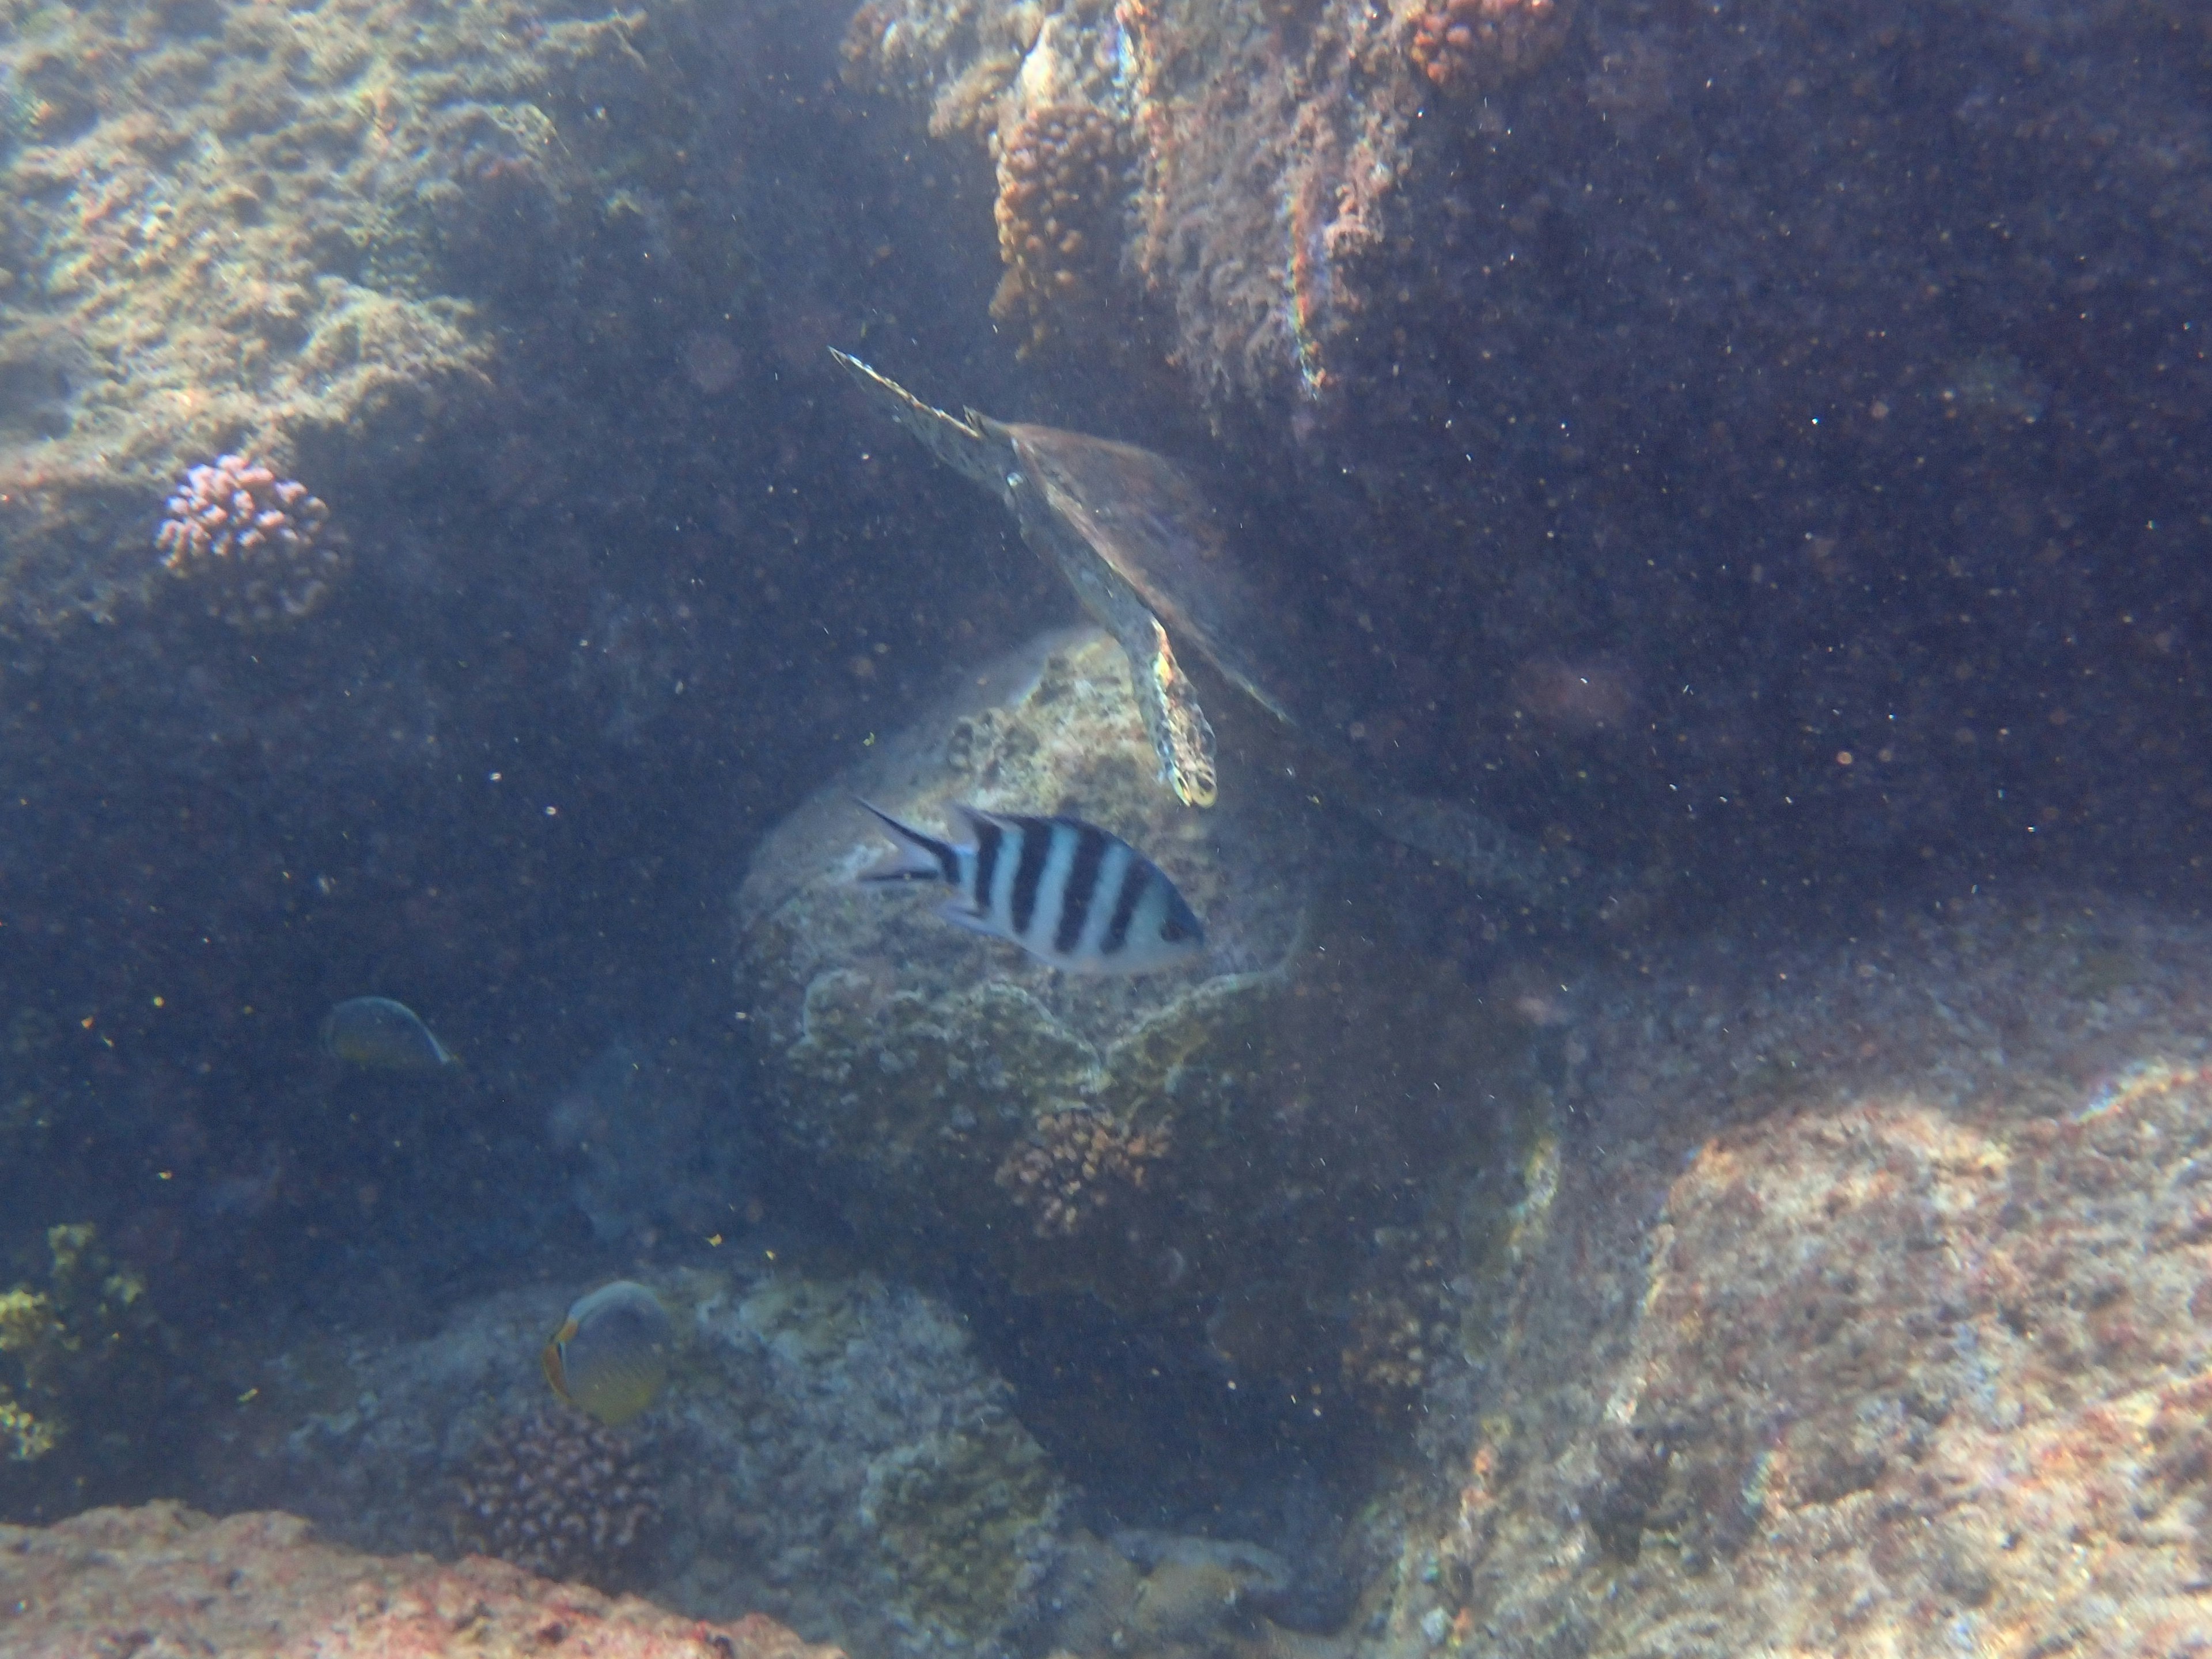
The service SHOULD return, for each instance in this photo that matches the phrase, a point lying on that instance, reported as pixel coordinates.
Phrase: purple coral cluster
(256, 542)
(558, 1495)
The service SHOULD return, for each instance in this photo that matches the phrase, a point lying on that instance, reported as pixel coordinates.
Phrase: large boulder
(828, 1450)
(1230, 1154)
(1873, 1315)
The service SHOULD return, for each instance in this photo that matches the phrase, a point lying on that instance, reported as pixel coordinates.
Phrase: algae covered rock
(1236, 1155)
(829, 1450)
(93, 1388)
(1870, 1315)
(888, 1499)
(962, 1088)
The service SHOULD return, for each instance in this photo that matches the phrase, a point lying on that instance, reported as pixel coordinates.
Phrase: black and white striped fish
(1064, 891)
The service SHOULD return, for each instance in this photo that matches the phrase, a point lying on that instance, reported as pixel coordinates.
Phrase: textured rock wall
(1872, 1317)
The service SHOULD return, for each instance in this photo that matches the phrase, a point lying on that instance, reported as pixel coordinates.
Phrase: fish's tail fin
(917, 858)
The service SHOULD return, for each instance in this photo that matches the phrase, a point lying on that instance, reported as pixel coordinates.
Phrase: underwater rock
(166, 1579)
(937, 1073)
(863, 1477)
(1265, 141)
(372, 204)
(1872, 1315)
(829, 1452)
(1221, 1154)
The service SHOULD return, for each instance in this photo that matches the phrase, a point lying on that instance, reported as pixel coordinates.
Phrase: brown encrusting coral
(1062, 184)
(558, 1495)
(1467, 46)
(1075, 1163)
(1403, 1323)
(252, 544)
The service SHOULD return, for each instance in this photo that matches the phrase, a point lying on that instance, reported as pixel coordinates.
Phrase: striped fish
(1064, 891)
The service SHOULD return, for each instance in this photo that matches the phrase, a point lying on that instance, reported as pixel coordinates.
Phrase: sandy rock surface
(164, 1579)
(1871, 1317)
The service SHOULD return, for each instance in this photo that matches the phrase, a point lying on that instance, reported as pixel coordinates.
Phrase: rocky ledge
(166, 1579)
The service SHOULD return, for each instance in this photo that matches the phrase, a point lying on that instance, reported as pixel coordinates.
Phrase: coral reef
(259, 236)
(1404, 1315)
(1264, 150)
(1068, 1170)
(165, 1579)
(559, 1496)
(830, 1451)
(1062, 184)
(1468, 45)
(254, 546)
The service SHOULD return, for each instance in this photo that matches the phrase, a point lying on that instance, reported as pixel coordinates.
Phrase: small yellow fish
(383, 1035)
(609, 1357)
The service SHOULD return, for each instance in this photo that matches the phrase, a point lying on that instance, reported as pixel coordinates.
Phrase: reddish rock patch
(167, 1579)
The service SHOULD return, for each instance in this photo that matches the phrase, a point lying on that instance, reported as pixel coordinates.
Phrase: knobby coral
(558, 1495)
(1062, 183)
(1468, 45)
(1403, 1319)
(253, 545)
(1073, 1164)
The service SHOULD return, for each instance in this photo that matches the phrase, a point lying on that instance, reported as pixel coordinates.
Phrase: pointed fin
(959, 444)
(918, 857)
(974, 818)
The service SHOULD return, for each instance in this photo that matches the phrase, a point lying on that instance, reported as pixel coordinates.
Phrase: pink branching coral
(254, 542)
(1465, 46)
(1073, 1163)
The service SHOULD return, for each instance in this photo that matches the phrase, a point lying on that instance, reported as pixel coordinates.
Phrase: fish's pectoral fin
(552, 1360)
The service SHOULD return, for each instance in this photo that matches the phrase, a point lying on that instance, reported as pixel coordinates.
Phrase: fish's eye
(1173, 931)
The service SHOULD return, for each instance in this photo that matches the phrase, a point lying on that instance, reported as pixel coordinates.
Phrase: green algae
(85, 1370)
(951, 1513)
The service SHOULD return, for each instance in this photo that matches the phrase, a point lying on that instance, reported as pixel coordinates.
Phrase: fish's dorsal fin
(973, 818)
(917, 857)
